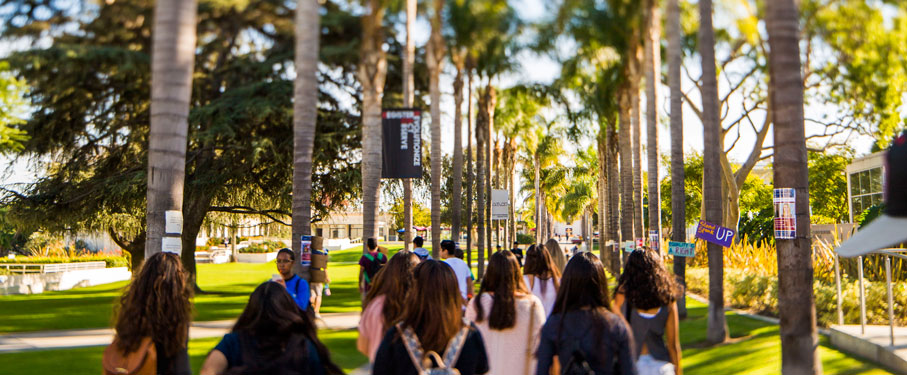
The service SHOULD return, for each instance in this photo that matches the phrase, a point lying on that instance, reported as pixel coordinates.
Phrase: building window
(865, 190)
(335, 233)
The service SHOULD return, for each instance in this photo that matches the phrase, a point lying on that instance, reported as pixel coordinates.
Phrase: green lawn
(87, 361)
(227, 288)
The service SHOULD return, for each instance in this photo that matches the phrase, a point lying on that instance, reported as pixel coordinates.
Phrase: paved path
(75, 338)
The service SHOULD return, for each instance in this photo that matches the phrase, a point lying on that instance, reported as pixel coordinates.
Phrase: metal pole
(838, 285)
(890, 298)
(862, 298)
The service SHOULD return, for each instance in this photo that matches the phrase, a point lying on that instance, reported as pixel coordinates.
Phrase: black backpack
(375, 265)
(577, 365)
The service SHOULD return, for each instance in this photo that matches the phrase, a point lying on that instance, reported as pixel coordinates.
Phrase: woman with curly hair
(645, 296)
(542, 276)
(157, 306)
(384, 303)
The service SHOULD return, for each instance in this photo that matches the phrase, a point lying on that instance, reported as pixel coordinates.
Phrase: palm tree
(653, 78)
(712, 134)
(173, 60)
(409, 57)
(305, 114)
(796, 302)
(372, 73)
(435, 57)
(627, 203)
(678, 196)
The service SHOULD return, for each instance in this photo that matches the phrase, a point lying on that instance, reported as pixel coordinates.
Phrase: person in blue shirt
(296, 286)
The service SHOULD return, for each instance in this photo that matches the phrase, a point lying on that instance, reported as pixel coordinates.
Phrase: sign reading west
(402, 143)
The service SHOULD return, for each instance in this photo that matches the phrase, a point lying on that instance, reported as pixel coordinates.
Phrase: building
(864, 183)
(570, 230)
(344, 229)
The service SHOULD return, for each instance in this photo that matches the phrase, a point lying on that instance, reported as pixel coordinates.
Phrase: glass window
(867, 201)
(864, 182)
(857, 206)
(875, 180)
(854, 184)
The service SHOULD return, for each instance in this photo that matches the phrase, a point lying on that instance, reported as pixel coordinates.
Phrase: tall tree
(678, 196)
(305, 113)
(435, 57)
(712, 138)
(796, 302)
(409, 57)
(372, 73)
(173, 59)
(653, 79)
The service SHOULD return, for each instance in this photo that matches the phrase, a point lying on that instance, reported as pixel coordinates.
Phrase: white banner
(499, 205)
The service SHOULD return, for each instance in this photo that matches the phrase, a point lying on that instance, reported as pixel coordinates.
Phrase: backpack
(577, 365)
(143, 361)
(375, 264)
(423, 362)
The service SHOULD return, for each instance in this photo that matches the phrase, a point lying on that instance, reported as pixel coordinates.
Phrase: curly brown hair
(393, 281)
(157, 304)
(646, 282)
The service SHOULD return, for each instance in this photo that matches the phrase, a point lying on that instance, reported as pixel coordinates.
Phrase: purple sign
(715, 234)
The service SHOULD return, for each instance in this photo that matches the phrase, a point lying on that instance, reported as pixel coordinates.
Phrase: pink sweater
(507, 348)
(371, 328)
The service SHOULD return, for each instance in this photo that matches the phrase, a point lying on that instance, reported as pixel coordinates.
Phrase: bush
(111, 260)
(214, 241)
(255, 249)
(202, 248)
(524, 239)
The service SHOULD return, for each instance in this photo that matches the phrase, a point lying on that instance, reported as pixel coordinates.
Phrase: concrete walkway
(75, 338)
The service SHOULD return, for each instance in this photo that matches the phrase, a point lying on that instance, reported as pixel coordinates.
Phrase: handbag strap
(413, 347)
(529, 340)
(455, 346)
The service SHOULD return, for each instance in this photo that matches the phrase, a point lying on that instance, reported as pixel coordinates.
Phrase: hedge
(111, 260)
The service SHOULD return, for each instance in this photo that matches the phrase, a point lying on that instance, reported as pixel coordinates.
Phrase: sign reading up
(715, 233)
(681, 249)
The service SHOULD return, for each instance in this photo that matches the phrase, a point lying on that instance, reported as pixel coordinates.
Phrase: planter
(256, 257)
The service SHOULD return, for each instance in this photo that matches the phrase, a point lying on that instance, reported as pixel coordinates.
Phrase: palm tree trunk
(456, 204)
(305, 114)
(409, 57)
(717, 325)
(636, 139)
(653, 78)
(627, 203)
(678, 195)
(469, 170)
(490, 100)
(538, 198)
(173, 59)
(372, 73)
(796, 302)
(435, 58)
(481, 165)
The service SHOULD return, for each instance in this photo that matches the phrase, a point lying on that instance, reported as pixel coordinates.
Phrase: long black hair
(274, 323)
(502, 278)
(583, 286)
(646, 282)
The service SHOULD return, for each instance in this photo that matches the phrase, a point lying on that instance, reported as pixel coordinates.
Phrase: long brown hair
(540, 264)
(503, 278)
(646, 282)
(433, 307)
(157, 304)
(557, 253)
(393, 281)
(274, 322)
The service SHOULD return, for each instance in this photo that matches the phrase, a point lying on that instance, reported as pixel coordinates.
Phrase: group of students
(523, 320)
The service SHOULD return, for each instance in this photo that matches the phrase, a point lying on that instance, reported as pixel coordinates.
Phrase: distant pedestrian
(271, 336)
(297, 287)
(645, 296)
(420, 251)
(432, 326)
(517, 252)
(557, 254)
(508, 316)
(582, 331)
(461, 269)
(542, 276)
(385, 302)
(369, 265)
(153, 317)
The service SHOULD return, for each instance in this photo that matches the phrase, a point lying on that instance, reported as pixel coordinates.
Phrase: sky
(541, 69)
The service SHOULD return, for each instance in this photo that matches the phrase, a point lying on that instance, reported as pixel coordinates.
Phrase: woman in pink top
(384, 301)
(542, 276)
(508, 316)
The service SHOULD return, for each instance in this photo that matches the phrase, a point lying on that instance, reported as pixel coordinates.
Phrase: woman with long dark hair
(582, 331)
(645, 296)
(432, 326)
(272, 336)
(384, 302)
(508, 316)
(157, 306)
(542, 276)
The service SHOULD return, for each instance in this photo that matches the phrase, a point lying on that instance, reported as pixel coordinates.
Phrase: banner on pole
(654, 242)
(681, 249)
(715, 233)
(305, 256)
(785, 201)
(402, 143)
(628, 246)
(499, 205)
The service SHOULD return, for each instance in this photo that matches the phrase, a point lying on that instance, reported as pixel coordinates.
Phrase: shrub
(214, 241)
(256, 249)
(110, 260)
(201, 248)
(524, 239)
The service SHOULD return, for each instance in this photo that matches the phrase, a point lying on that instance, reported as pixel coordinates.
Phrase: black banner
(402, 130)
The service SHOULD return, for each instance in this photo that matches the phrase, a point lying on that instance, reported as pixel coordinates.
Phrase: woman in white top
(508, 316)
(542, 276)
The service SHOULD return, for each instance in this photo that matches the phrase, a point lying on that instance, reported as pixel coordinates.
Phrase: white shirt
(548, 297)
(462, 271)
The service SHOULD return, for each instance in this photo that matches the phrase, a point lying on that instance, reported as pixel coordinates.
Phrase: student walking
(420, 251)
(508, 316)
(369, 265)
(385, 302)
(432, 326)
(271, 336)
(582, 331)
(297, 287)
(542, 276)
(557, 253)
(461, 269)
(152, 319)
(518, 252)
(645, 296)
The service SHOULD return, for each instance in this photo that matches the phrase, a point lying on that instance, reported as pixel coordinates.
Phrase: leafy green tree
(692, 172)
(12, 107)
(421, 215)
(828, 186)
